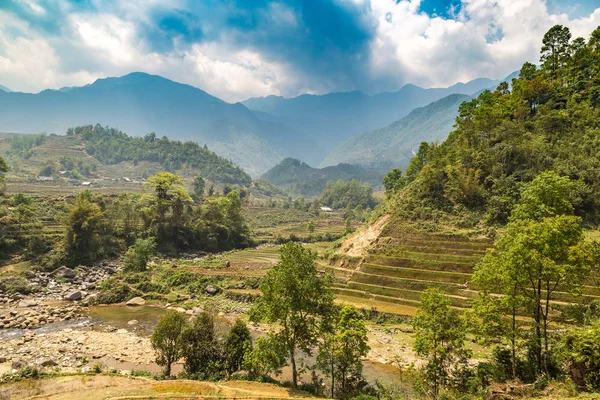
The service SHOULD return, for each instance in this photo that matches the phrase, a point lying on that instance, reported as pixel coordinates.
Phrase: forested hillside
(300, 178)
(548, 119)
(394, 144)
(93, 152)
(111, 146)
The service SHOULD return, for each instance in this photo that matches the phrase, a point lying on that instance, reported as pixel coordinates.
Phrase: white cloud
(487, 38)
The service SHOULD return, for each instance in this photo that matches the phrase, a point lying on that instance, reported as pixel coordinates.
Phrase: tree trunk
(545, 316)
(332, 378)
(293, 363)
(512, 342)
(168, 369)
(538, 332)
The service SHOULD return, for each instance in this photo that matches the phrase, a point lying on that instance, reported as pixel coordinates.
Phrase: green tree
(344, 344)
(199, 188)
(137, 256)
(541, 258)
(200, 349)
(84, 224)
(237, 344)
(555, 51)
(348, 224)
(581, 352)
(211, 190)
(295, 297)
(164, 212)
(3, 170)
(417, 162)
(547, 195)
(393, 181)
(311, 226)
(166, 339)
(266, 357)
(440, 336)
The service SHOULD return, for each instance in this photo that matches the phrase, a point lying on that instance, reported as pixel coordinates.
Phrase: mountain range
(256, 133)
(5, 89)
(395, 144)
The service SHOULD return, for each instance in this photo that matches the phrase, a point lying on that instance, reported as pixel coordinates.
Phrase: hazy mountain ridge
(139, 103)
(5, 89)
(335, 117)
(307, 127)
(394, 143)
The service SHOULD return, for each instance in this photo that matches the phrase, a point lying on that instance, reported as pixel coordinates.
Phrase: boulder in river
(73, 296)
(48, 362)
(63, 272)
(27, 303)
(136, 301)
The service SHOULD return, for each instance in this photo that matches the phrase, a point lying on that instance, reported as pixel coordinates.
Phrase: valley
(422, 243)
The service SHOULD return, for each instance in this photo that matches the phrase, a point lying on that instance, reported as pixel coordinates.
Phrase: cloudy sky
(236, 49)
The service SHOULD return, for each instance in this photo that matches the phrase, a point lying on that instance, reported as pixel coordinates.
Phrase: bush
(114, 293)
(138, 255)
(29, 372)
(582, 355)
(177, 278)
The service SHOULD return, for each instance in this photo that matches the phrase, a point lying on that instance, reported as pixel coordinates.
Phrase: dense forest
(111, 146)
(546, 119)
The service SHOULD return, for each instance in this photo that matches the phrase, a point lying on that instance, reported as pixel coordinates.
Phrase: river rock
(211, 290)
(133, 322)
(136, 301)
(48, 362)
(63, 272)
(27, 303)
(76, 295)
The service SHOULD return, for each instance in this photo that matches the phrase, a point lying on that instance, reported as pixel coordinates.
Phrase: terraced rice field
(402, 264)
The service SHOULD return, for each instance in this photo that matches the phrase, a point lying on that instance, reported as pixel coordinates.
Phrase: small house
(326, 209)
(88, 184)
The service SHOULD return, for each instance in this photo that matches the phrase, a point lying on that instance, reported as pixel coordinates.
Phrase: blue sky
(241, 48)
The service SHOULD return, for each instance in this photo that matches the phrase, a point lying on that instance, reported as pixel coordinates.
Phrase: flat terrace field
(268, 223)
(91, 387)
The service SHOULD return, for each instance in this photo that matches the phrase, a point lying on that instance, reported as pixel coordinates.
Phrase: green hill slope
(300, 178)
(395, 143)
(94, 152)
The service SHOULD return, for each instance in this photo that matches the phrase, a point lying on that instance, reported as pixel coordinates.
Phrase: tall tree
(344, 343)
(295, 297)
(200, 350)
(440, 336)
(555, 51)
(199, 188)
(164, 212)
(237, 344)
(83, 226)
(166, 339)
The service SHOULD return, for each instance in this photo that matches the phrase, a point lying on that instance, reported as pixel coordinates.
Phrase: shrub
(582, 355)
(138, 255)
(115, 293)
